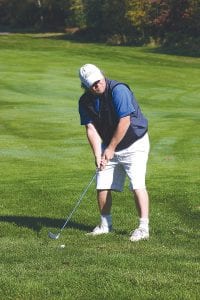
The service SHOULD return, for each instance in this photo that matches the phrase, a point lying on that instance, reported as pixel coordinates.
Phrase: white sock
(144, 223)
(106, 220)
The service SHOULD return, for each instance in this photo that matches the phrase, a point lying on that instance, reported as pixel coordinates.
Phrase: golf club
(55, 236)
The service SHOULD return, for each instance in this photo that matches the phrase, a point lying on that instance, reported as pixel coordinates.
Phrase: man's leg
(136, 171)
(104, 199)
(142, 204)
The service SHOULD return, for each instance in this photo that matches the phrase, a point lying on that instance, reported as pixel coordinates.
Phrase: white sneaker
(139, 234)
(100, 229)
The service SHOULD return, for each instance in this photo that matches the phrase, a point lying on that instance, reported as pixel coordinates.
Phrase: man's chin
(98, 92)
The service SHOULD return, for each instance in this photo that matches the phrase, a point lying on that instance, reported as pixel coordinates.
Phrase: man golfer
(117, 132)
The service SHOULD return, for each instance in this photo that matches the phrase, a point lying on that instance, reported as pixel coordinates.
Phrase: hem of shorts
(137, 188)
(111, 189)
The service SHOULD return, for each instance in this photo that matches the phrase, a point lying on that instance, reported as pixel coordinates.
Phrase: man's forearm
(94, 140)
(119, 133)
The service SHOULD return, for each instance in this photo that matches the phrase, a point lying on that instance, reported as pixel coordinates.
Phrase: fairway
(46, 163)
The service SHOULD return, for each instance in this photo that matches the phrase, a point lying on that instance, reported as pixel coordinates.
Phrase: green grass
(46, 163)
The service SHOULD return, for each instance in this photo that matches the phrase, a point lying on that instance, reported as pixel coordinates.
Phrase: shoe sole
(142, 239)
(94, 234)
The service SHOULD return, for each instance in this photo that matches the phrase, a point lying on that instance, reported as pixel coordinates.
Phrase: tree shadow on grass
(37, 223)
(174, 51)
(87, 37)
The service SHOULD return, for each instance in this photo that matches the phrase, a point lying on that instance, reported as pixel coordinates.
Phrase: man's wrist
(111, 147)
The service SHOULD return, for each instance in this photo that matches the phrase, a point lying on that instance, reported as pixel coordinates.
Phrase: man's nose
(96, 85)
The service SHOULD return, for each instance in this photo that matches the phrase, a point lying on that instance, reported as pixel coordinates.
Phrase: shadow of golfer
(37, 223)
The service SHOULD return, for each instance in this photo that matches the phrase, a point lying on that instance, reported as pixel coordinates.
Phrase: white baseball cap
(89, 74)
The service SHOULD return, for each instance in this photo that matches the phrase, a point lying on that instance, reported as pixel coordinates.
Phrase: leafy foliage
(167, 22)
(176, 21)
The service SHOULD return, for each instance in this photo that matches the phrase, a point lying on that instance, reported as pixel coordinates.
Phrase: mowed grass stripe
(46, 163)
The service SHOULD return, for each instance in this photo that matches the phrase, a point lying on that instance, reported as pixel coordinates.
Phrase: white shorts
(132, 162)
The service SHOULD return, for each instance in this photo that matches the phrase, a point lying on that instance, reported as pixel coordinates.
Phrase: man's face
(98, 87)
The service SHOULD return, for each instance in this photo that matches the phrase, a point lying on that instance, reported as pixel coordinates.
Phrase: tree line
(132, 22)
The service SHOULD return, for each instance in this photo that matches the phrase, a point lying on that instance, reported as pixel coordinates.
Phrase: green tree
(18, 13)
(139, 15)
(75, 13)
(105, 20)
(53, 13)
(177, 23)
(126, 21)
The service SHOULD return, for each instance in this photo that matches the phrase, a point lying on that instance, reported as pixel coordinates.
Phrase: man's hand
(98, 162)
(106, 156)
(119, 133)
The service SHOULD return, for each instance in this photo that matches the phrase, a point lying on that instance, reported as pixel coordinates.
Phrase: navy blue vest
(106, 120)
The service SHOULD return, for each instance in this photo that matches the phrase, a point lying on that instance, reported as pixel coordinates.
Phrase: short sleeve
(122, 100)
(84, 118)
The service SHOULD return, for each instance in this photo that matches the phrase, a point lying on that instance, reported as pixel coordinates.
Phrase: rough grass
(46, 163)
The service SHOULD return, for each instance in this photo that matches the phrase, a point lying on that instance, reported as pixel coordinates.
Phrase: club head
(54, 236)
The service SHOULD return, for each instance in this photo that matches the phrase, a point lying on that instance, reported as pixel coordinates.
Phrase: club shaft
(78, 202)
